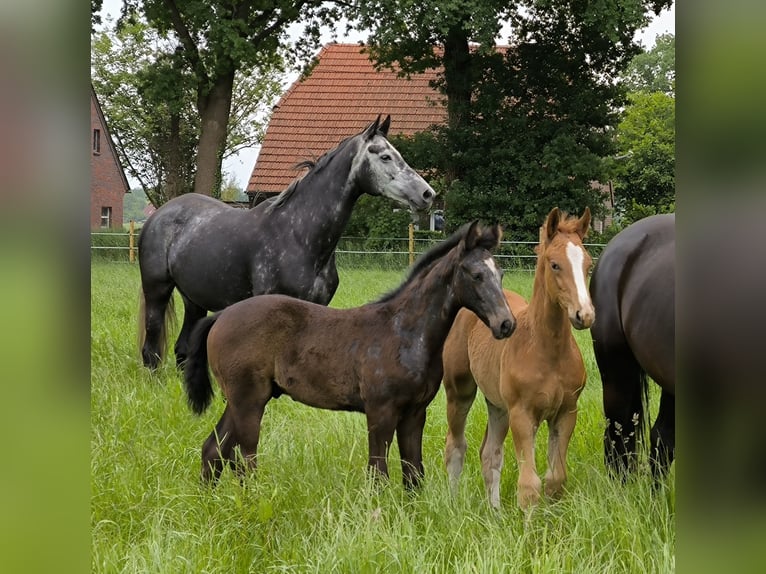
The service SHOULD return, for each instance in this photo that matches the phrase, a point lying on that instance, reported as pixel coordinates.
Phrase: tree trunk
(174, 181)
(458, 82)
(214, 111)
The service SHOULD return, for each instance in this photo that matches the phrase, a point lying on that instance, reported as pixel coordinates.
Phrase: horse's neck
(430, 307)
(548, 322)
(320, 208)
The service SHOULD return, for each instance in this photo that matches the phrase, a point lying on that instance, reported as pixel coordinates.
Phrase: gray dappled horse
(216, 254)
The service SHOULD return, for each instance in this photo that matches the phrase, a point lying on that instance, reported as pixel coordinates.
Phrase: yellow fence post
(412, 243)
(132, 255)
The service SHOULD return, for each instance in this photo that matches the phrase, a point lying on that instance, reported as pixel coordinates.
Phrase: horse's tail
(199, 389)
(168, 324)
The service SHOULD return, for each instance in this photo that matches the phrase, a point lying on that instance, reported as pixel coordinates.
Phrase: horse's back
(633, 290)
(170, 222)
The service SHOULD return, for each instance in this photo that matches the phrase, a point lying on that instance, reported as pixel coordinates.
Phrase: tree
(148, 93)
(654, 70)
(644, 168)
(217, 39)
(526, 129)
(645, 172)
(144, 92)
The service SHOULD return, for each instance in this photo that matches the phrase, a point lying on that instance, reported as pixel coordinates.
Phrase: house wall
(107, 187)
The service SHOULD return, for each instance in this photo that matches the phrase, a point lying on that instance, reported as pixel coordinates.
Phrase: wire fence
(365, 252)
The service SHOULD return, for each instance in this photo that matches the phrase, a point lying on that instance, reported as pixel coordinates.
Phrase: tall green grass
(310, 507)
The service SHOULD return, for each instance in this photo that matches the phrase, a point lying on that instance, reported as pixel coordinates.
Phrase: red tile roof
(342, 95)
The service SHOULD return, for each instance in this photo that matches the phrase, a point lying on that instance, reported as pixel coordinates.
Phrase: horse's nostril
(427, 194)
(506, 328)
(578, 316)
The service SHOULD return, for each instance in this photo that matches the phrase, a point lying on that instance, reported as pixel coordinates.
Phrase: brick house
(342, 94)
(108, 184)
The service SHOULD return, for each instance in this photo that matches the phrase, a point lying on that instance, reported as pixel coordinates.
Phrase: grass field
(310, 507)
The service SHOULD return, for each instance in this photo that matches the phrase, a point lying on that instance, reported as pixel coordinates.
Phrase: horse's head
(379, 169)
(565, 262)
(478, 281)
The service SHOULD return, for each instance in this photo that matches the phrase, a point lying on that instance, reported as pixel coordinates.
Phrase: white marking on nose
(576, 256)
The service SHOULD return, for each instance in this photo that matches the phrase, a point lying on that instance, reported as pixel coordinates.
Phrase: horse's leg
(248, 395)
(218, 448)
(559, 434)
(524, 428)
(622, 382)
(663, 436)
(155, 304)
(381, 423)
(460, 397)
(192, 314)
(409, 435)
(492, 451)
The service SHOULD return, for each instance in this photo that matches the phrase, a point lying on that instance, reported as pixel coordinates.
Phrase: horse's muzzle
(582, 318)
(507, 328)
(423, 201)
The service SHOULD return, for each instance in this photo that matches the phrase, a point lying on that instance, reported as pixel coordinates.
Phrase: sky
(241, 165)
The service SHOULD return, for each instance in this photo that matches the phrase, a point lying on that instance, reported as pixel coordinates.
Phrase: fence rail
(352, 251)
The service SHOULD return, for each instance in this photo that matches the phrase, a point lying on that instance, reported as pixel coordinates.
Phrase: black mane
(313, 167)
(427, 259)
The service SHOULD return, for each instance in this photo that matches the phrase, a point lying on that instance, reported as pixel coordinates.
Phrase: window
(96, 141)
(106, 217)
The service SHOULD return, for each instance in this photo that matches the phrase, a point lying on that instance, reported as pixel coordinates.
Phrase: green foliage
(645, 138)
(148, 100)
(527, 130)
(133, 206)
(310, 507)
(655, 69)
(376, 220)
(196, 83)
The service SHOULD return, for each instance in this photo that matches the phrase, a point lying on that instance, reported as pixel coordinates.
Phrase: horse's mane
(427, 259)
(313, 167)
(568, 223)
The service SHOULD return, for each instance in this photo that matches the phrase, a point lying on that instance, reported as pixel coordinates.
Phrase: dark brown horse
(382, 359)
(633, 289)
(536, 375)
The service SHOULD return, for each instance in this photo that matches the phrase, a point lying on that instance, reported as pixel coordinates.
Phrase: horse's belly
(317, 386)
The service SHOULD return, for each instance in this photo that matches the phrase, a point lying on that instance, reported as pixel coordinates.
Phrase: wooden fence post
(412, 243)
(131, 234)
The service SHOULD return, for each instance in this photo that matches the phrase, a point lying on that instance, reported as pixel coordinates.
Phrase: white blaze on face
(576, 258)
(490, 262)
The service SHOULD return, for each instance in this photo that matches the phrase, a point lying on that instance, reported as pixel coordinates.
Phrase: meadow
(310, 507)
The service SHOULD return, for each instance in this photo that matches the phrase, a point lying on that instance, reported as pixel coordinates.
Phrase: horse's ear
(472, 235)
(385, 125)
(497, 233)
(583, 225)
(372, 129)
(492, 236)
(552, 223)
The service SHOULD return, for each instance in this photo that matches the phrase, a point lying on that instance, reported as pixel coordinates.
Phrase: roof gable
(109, 142)
(342, 94)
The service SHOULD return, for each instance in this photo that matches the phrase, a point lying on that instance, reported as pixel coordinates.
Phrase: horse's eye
(385, 157)
(555, 266)
(477, 276)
